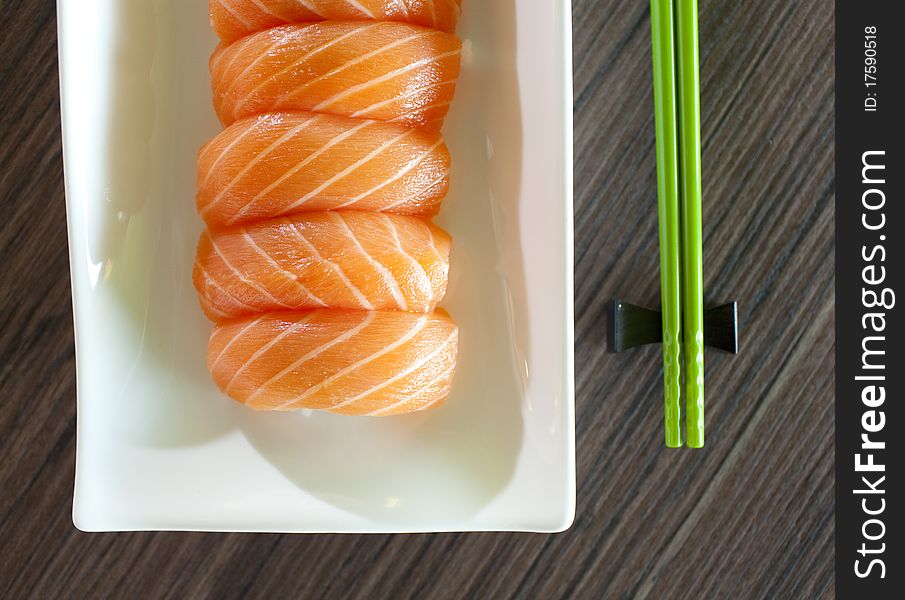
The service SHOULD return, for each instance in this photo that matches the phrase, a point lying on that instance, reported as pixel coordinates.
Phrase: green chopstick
(690, 199)
(666, 122)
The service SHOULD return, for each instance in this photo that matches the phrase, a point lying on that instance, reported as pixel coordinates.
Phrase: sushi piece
(350, 362)
(233, 19)
(385, 71)
(284, 163)
(338, 259)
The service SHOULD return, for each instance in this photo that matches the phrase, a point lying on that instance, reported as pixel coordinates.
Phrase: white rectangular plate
(160, 448)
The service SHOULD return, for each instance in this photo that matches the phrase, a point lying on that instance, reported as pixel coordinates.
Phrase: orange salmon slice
(233, 19)
(385, 71)
(283, 163)
(351, 260)
(377, 363)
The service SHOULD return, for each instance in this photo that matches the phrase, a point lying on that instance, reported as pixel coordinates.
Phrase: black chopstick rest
(631, 325)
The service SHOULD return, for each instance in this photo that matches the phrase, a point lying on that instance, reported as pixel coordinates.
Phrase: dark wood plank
(750, 516)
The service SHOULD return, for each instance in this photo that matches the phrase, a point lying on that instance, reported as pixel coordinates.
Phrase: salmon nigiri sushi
(386, 71)
(349, 362)
(283, 163)
(338, 259)
(233, 19)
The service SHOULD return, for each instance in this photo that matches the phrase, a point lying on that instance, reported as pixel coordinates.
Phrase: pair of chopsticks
(674, 29)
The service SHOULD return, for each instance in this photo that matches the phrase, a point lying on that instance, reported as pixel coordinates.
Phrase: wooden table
(750, 516)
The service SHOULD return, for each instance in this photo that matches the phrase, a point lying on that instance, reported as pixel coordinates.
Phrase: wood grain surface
(751, 516)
